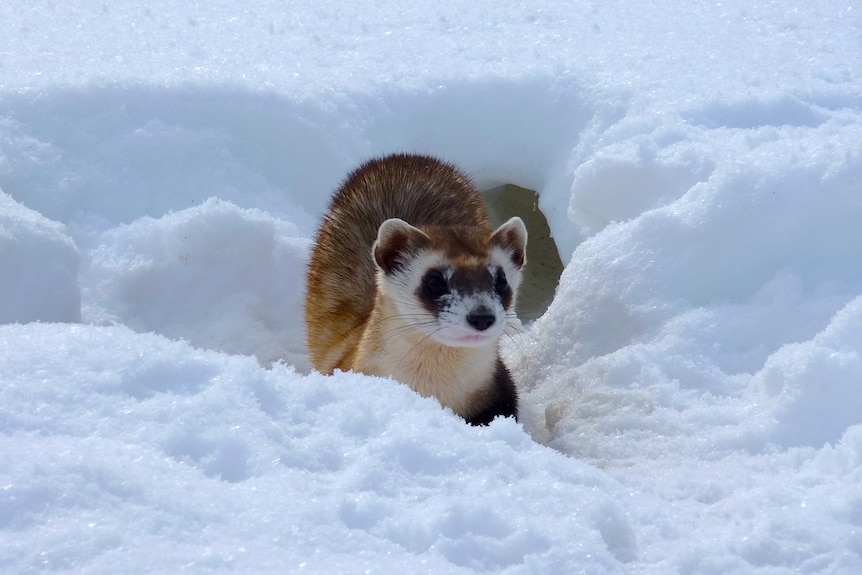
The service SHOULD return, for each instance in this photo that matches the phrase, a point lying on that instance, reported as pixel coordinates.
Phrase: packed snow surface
(691, 400)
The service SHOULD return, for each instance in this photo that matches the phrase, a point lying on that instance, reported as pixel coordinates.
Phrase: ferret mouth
(465, 338)
(463, 335)
(474, 339)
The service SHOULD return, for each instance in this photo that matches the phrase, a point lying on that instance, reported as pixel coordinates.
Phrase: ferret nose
(481, 318)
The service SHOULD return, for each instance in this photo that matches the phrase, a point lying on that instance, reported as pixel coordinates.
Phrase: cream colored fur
(391, 347)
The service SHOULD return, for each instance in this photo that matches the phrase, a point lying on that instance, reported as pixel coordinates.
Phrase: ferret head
(453, 284)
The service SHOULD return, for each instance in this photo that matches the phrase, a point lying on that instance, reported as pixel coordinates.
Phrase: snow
(692, 398)
(39, 267)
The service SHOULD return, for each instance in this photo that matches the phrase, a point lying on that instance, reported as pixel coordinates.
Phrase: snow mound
(39, 267)
(218, 276)
(812, 388)
(216, 461)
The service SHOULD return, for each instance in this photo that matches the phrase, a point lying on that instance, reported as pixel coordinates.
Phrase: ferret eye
(435, 284)
(500, 283)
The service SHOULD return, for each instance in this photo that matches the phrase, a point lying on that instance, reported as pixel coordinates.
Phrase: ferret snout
(481, 318)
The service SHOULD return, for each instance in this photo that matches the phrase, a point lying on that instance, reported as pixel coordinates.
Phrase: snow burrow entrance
(544, 266)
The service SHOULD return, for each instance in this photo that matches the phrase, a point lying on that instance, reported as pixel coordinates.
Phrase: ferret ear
(511, 237)
(396, 239)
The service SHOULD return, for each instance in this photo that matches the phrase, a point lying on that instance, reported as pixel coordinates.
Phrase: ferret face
(454, 285)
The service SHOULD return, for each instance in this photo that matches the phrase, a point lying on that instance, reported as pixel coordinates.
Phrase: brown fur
(341, 286)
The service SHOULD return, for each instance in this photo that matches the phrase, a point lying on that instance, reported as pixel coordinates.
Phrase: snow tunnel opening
(544, 266)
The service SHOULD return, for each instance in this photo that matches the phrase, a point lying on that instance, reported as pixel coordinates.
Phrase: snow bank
(243, 266)
(704, 288)
(38, 267)
(812, 388)
(218, 464)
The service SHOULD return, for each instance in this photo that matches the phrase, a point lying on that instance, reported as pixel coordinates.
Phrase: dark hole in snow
(543, 269)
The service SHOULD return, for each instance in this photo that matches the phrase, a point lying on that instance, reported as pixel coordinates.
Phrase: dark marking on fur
(500, 399)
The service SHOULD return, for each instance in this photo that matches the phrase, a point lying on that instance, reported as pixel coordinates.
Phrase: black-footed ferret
(408, 281)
